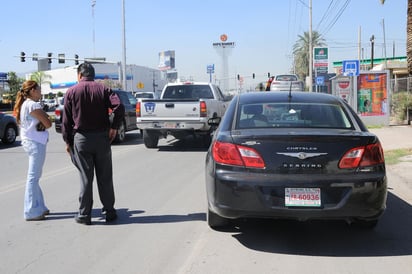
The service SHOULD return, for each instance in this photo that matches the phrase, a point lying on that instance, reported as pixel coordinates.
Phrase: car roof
(283, 96)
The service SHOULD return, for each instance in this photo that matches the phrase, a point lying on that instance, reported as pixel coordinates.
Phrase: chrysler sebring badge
(301, 155)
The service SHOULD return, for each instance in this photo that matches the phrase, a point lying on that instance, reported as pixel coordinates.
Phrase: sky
(264, 32)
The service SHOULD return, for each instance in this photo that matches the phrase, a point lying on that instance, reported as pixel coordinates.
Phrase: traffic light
(76, 59)
(61, 58)
(268, 74)
(49, 57)
(22, 57)
(253, 75)
(238, 77)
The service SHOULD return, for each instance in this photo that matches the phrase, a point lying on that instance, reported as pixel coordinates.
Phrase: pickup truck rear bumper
(174, 125)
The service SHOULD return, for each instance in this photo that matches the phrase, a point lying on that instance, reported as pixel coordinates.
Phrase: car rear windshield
(188, 92)
(286, 78)
(286, 115)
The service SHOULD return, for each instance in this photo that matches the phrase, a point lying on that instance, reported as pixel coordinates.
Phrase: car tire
(150, 140)
(215, 221)
(121, 133)
(10, 135)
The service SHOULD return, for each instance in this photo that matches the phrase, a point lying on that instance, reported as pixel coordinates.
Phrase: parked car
(286, 82)
(294, 155)
(128, 124)
(49, 104)
(145, 94)
(8, 128)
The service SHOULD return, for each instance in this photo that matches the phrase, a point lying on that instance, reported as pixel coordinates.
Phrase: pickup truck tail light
(138, 109)
(203, 109)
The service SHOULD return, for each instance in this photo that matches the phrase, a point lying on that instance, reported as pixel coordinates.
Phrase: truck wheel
(121, 133)
(150, 140)
(207, 139)
(215, 221)
(10, 135)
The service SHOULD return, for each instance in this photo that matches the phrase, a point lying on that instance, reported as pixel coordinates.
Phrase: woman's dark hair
(86, 70)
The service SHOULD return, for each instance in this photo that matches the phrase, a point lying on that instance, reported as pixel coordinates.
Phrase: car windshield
(286, 115)
(188, 92)
(144, 95)
(286, 78)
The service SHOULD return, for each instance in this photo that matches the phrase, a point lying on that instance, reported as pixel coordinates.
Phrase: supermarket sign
(320, 60)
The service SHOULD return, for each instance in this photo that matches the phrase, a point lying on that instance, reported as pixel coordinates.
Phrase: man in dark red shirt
(88, 133)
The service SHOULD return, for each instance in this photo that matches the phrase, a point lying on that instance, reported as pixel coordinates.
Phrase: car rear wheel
(10, 135)
(121, 133)
(150, 140)
(216, 221)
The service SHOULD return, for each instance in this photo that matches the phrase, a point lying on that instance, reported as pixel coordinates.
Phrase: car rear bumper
(232, 195)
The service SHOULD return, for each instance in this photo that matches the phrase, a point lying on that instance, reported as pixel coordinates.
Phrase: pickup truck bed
(184, 110)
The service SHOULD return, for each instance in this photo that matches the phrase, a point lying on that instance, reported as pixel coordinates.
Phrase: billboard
(372, 94)
(166, 60)
(320, 60)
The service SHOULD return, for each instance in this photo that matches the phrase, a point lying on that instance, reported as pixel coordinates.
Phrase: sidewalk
(394, 137)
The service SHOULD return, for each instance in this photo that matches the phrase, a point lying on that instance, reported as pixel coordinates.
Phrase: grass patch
(392, 156)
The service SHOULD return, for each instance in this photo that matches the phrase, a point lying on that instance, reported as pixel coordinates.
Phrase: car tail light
(231, 154)
(57, 112)
(138, 109)
(203, 109)
(363, 156)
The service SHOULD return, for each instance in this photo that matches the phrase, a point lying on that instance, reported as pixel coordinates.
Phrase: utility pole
(124, 84)
(94, 43)
(310, 47)
(372, 46)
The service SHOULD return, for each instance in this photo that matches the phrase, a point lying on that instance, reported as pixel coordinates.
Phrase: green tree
(15, 83)
(40, 77)
(301, 52)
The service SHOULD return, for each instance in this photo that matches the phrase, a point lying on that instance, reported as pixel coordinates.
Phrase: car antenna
(290, 90)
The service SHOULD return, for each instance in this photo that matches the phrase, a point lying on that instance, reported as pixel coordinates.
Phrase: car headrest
(253, 109)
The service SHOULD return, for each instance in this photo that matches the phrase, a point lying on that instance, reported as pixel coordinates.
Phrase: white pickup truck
(183, 109)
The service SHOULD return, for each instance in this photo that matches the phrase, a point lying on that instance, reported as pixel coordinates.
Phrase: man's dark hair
(86, 70)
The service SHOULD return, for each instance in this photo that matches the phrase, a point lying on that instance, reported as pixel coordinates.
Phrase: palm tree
(40, 77)
(301, 52)
(409, 37)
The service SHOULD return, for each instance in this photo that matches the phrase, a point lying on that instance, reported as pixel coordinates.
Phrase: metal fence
(401, 101)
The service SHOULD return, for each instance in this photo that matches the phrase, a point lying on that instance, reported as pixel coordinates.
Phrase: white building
(138, 78)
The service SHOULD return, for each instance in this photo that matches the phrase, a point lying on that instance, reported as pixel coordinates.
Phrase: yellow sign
(140, 85)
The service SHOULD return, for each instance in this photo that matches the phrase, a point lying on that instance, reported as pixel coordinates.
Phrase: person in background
(88, 133)
(33, 123)
(384, 106)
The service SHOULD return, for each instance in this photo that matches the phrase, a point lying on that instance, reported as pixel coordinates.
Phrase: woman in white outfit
(33, 121)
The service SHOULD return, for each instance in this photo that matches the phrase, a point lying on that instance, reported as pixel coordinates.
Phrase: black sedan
(8, 128)
(298, 155)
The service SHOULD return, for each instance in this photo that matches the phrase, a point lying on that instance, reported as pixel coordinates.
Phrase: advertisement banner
(167, 60)
(372, 94)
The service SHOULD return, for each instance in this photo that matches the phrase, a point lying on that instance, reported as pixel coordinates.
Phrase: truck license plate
(302, 197)
(170, 125)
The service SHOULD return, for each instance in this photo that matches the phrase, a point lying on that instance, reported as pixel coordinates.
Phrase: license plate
(170, 125)
(302, 197)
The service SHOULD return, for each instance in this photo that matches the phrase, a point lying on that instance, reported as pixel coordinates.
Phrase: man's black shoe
(111, 216)
(85, 220)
